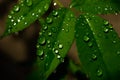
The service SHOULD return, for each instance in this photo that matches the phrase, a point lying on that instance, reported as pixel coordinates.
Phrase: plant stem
(59, 3)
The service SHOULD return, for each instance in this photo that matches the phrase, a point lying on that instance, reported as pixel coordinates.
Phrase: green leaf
(55, 40)
(99, 48)
(24, 13)
(96, 6)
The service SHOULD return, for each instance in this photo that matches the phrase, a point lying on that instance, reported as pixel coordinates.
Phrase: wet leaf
(98, 45)
(24, 13)
(96, 6)
(56, 37)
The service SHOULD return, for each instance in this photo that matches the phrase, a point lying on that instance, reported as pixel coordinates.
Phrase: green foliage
(24, 13)
(96, 6)
(98, 47)
(52, 46)
(97, 42)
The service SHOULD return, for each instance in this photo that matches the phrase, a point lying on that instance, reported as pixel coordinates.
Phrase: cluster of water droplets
(17, 8)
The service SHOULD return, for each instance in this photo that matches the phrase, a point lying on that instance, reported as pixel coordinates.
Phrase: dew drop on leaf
(58, 56)
(48, 41)
(38, 46)
(49, 20)
(46, 7)
(106, 22)
(90, 44)
(118, 52)
(16, 8)
(29, 2)
(106, 30)
(45, 27)
(56, 51)
(99, 72)
(114, 41)
(60, 46)
(94, 57)
(55, 13)
(9, 16)
(42, 40)
(86, 38)
(54, 4)
(49, 33)
(40, 52)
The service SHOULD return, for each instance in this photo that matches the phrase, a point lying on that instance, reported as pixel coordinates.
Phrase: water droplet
(106, 9)
(106, 30)
(40, 52)
(14, 24)
(42, 40)
(29, 2)
(99, 72)
(39, 11)
(12, 20)
(94, 57)
(58, 56)
(33, 14)
(86, 38)
(18, 20)
(12, 12)
(49, 20)
(56, 51)
(106, 22)
(16, 8)
(62, 59)
(9, 30)
(48, 41)
(114, 41)
(55, 13)
(90, 44)
(60, 46)
(45, 27)
(38, 46)
(9, 16)
(55, 4)
(49, 33)
(118, 52)
(46, 7)
(25, 23)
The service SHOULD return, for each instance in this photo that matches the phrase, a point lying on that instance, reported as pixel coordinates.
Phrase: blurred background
(18, 50)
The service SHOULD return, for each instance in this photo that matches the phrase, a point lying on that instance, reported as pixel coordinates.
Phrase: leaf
(96, 6)
(24, 13)
(55, 40)
(99, 48)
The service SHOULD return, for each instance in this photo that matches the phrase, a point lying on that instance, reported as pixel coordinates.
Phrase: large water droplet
(40, 52)
(99, 72)
(49, 20)
(42, 40)
(60, 46)
(86, 38)
(16, 8)
(29, 2)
